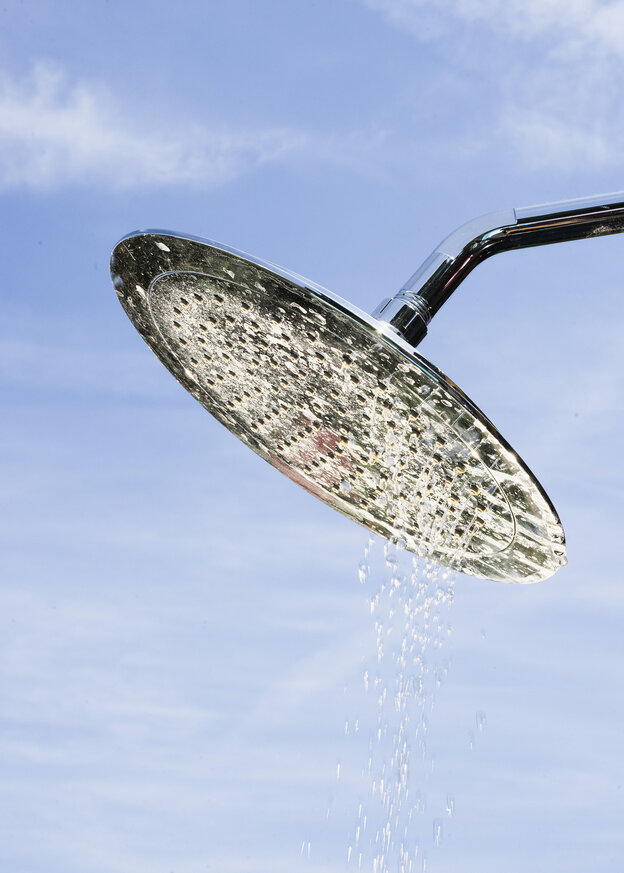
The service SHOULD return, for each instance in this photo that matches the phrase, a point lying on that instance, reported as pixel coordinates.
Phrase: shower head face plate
(347, 411)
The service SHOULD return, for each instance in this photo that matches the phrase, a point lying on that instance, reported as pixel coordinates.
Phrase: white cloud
(54, 132)
(573, 23)
(545, 67)
(547, 139)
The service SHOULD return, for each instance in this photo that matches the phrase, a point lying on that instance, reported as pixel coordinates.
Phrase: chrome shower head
(340, 402)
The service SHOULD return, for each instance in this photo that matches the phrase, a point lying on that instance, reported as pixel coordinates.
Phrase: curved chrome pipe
(410, 311)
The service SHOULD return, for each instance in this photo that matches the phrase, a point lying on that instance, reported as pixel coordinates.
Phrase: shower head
(341, 403)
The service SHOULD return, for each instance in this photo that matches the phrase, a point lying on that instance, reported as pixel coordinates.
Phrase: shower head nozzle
(339, 402)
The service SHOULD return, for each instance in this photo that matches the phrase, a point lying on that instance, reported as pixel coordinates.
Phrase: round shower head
(340, 404)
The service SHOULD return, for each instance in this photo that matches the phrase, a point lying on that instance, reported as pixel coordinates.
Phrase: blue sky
(183, 634)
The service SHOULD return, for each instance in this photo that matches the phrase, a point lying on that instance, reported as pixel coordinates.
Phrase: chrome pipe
(410, 311)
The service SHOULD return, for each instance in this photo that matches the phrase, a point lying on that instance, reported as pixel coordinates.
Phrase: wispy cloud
(548, 140)
(547, 73)
(573, 24)
(53, 132)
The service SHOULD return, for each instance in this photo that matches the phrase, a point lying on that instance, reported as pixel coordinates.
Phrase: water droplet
(437, 831)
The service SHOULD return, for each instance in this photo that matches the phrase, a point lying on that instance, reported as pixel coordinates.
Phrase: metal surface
(339, 403)
(410, 311)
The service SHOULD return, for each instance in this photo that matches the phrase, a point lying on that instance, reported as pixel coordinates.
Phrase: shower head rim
(371, 324)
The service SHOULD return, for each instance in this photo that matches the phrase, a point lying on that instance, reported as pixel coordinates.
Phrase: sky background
(182, 631)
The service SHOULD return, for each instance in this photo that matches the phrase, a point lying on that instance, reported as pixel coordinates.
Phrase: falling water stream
(396, 823)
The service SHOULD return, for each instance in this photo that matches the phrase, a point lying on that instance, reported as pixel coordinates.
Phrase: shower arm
(410, 311)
